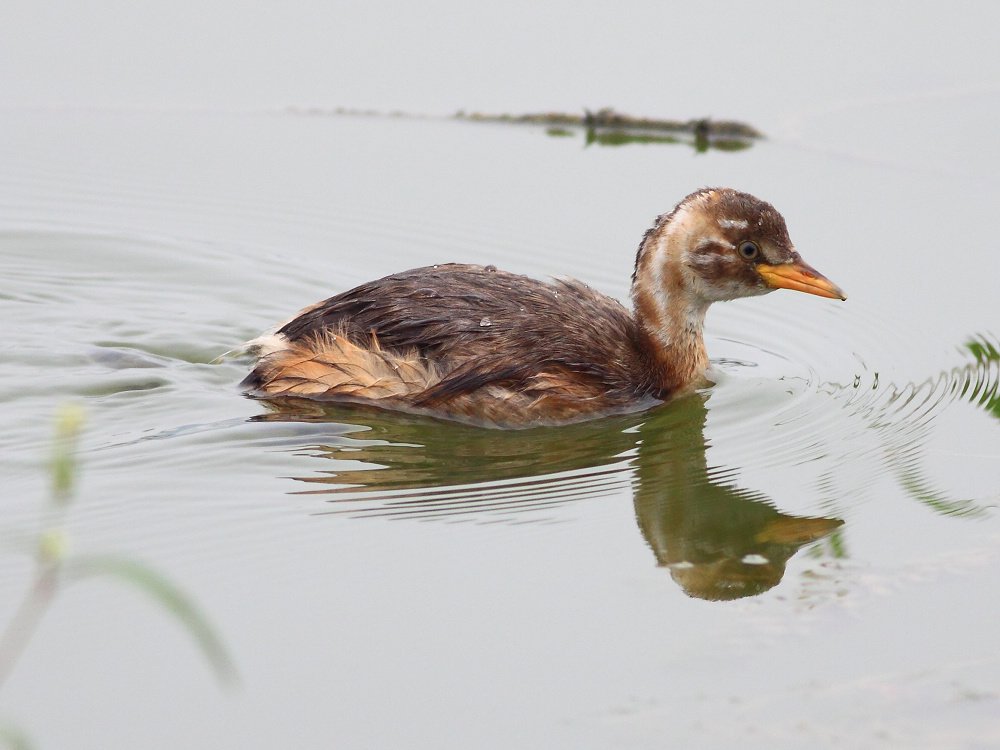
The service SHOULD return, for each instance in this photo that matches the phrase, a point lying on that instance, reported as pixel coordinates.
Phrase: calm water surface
(807, 551)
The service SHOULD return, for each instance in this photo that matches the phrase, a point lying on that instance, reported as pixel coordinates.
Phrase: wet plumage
(482, 345)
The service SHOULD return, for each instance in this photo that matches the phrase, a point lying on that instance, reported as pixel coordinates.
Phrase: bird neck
(670, 320)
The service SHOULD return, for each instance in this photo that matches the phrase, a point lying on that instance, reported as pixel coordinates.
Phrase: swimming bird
(477, 344)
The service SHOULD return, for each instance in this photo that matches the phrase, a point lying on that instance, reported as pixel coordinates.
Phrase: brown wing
(478, 326)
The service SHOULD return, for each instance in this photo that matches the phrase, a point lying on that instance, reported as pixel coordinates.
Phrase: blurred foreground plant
(56, 567)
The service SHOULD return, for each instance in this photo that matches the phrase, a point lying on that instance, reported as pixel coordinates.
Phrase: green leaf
(69, 424)
(151, 582)
(14, 738)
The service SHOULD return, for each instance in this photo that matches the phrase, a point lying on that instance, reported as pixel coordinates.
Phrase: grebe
(480, 345)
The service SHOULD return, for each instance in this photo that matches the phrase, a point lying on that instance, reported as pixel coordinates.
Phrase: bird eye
(749, 250)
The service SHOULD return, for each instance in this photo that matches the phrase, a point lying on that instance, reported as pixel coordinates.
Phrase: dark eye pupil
(748, 249)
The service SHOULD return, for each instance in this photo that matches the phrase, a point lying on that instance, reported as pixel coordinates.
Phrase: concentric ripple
(774, 396)
(885, 416)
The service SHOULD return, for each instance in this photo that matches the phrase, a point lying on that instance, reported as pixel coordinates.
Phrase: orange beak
(801, 277)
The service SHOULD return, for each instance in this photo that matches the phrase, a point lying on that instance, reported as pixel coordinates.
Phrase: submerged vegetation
(903, 416)
(56, 566)
(982, 384)
(977, 383)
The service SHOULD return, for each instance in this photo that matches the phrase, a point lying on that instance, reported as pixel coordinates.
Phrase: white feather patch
(265, 344)
(733, 223)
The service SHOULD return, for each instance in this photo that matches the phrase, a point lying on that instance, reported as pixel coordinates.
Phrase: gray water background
(162, 198)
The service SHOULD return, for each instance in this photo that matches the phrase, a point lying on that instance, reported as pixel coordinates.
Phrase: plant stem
(25, 621)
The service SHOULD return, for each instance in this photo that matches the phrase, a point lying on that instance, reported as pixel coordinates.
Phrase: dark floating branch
(604, 127)
(609, 119)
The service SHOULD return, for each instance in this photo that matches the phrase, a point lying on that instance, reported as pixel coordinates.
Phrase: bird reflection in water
(718, 541)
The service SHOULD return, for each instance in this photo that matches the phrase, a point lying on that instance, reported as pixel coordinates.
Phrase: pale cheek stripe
(706, 242)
